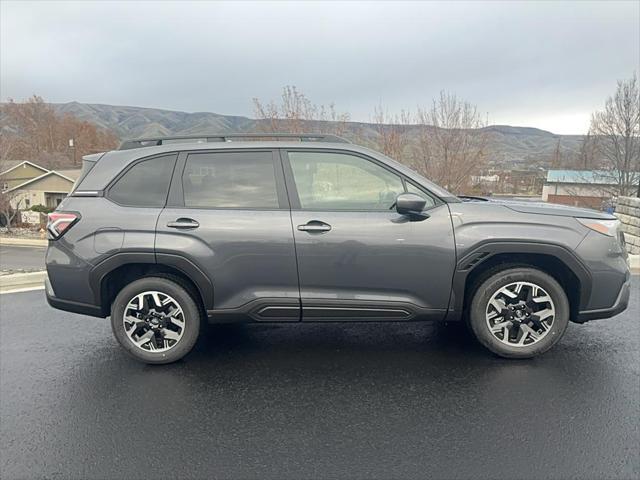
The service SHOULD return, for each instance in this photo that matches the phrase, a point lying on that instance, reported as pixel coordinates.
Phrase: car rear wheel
(155, 320)
(519, 312)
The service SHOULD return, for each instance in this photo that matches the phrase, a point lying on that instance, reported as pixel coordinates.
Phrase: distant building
(512, 182)
(579, 188)
(524, 181)
(31, 184)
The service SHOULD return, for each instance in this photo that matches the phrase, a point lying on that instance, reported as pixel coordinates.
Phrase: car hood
(552, 209)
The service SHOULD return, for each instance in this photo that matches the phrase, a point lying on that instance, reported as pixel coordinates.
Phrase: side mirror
(411, 204)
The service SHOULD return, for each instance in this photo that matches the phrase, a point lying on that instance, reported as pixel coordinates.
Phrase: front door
(358, 259)
(228, 215)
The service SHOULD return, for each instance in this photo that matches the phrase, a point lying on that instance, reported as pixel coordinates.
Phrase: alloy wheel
(520, 314)
(154, 321)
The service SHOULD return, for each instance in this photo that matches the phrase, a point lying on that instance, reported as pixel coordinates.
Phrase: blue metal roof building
(589, 177)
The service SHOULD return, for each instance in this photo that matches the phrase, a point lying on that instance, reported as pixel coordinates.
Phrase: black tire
(191, 313)
(488, 287)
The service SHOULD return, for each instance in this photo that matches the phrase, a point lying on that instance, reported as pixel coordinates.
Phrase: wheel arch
(555, 260)
(110, 276)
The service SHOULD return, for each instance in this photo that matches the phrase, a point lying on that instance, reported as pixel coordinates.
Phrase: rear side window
(146, 184)
(230, 180)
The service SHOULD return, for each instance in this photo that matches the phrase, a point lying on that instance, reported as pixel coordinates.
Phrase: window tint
(337, 181)
(230, 180)
(413, 189)
(86, 168)
(145, 184)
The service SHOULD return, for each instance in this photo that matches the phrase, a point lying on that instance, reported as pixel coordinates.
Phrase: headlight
(606, 227)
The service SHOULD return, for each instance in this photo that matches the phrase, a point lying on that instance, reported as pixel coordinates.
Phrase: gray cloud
(542, 64)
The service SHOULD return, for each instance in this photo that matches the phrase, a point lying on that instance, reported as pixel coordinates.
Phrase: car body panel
(476, 222)
(255, 263)
(247, 254)
(375, 259)
(607, 260)
(105, 229)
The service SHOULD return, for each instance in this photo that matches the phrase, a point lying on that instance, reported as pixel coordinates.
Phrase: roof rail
(229, 137)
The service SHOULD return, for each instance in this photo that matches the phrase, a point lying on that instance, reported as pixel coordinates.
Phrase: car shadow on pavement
(336, 349)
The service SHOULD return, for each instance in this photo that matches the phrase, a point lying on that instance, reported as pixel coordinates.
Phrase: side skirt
(318, 311)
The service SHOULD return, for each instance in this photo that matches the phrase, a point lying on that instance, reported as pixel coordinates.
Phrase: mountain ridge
(509, 146)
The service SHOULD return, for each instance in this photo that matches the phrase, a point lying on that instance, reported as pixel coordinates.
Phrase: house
(580, 188)
(30, 184)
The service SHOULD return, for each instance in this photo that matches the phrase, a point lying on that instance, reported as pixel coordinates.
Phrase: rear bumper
(70, 306)
(619, 306)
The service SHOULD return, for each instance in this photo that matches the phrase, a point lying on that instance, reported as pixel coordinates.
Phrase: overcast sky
(539, 64)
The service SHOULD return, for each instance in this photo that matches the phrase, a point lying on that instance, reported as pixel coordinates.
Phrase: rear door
(358, 259)
(228, 215)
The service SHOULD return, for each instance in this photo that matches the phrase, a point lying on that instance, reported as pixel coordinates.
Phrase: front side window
(146, 184)
(230, 180)
(411, 188)
(340, 181)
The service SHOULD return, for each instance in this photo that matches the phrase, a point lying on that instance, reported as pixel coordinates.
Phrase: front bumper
(619, 306)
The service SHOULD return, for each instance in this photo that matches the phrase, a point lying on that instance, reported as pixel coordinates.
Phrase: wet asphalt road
(22, 258)
(315, 401)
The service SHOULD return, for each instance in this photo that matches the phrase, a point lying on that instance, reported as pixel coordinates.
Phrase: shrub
(41, 208)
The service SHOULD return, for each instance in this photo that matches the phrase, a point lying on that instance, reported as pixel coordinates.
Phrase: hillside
(511, 147)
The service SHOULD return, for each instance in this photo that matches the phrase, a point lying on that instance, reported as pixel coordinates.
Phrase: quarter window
(230, 180)
(338, 181)
(146, 184)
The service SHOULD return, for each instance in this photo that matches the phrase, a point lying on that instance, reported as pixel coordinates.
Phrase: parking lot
(315, 401)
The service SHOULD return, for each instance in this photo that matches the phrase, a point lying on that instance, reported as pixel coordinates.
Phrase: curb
(634, 263)
(22, 281)
(25, 242)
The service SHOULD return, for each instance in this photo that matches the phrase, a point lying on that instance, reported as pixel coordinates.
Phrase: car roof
(252, 144)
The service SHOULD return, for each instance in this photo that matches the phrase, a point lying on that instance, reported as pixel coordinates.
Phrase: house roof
(590, 177)
(72, 173)
(10, 164)
(51, 172)
(13, 164)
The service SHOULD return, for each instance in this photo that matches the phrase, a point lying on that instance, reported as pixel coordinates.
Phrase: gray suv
(165, 234)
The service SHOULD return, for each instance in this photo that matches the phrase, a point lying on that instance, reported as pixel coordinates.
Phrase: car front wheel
(519, 312)
(155, 320)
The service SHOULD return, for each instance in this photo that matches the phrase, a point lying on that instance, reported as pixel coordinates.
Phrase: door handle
(314, 226)
(183, 223)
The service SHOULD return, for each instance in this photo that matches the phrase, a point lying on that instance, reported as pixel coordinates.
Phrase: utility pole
(73, 149)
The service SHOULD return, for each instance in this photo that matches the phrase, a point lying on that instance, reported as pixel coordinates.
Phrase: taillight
(59, 222)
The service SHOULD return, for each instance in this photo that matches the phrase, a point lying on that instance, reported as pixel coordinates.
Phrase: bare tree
(391, 129)
(452, 144)
(297, 114)
(616, 131)
(556, 157)
(8, 144)
(446, 142)
(587, 156)
(10, 202)
(34, 131)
